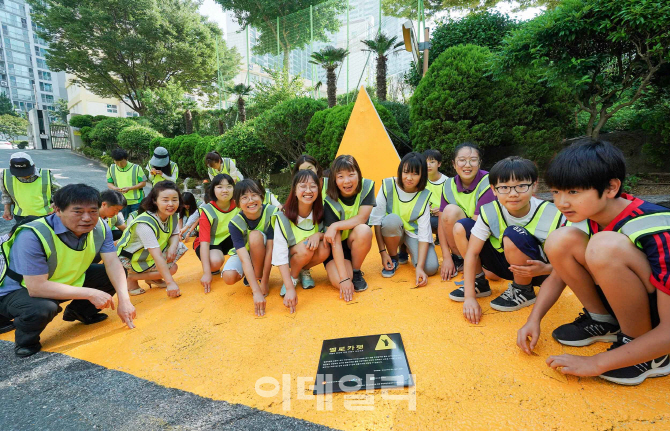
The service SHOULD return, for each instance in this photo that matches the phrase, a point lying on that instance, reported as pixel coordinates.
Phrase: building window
(47, 98)
(44, 75)
(132, 114)
(42, 64)
(111, 109)
(46, 87)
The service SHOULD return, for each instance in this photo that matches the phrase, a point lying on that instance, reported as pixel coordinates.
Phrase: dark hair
(188, 199)
(309, 159)
(415, 163)
(212, 157)
(587, 164)
(513, 168)
(119, 154)
(167, 169)
(472, 145)
(149, 203)
(432, 154)
(248, 185)
(113, 198)
(347, 163)
(218, 179)
(291, 205)
(72, 194)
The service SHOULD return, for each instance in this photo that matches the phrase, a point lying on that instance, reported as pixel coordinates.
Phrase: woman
(219, 165)
(161, 168)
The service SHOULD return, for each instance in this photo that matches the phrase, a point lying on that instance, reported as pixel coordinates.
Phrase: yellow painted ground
(468, 377)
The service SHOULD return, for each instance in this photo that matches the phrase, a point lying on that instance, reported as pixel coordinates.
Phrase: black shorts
(225, 246)
(117, 234)
(345, 249)
(653, 306)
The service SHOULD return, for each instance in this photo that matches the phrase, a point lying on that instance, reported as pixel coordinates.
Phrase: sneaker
(359, 282)
(306, 279)
(458, 262)
(403, 257)
(636, 374)
(513, 299)
(482, 289)
(585, 331)
(246, 282)
(217, 272)
(388, 273)
(282, 292)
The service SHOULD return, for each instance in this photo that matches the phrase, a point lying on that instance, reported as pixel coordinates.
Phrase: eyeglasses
(519, 188)
(471, 162)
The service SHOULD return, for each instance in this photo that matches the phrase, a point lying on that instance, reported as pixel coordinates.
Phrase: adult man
(50, 261)
(27, 188)
(127, 178)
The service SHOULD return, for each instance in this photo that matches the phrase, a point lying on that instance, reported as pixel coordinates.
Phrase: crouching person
(50, 260)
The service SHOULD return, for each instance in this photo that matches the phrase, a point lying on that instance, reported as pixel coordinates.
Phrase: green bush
(135, 139)
(104, 134)
(22, 145)
(81, 121)
(250, 153)
(106, 160)
(400, 112)
(655, 123)
(325, 131)
(85, 133)
(188, 151)
(99, 118)
(282, 128)
(91, 152)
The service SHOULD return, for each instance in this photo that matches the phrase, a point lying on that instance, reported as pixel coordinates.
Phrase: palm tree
(381, 45)
(241, 91)
(330, 58)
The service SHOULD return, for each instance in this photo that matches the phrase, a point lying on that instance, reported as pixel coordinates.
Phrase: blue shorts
(494, 261)
(434, 222)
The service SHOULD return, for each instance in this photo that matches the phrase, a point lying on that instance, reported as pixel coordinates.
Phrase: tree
(286, 22)
(408, 8)
(136, 140)
(12, 126)
(381, 45)
(601, 48)
(164, 108)
(330, 58)
(6, 107)
(62, 110)
(119, 48)
(280, 89)
(241, 91)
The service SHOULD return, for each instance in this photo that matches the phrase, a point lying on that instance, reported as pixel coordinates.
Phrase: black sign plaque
(362, 363)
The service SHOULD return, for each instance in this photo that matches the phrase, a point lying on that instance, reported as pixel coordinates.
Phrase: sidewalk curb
(77, 153)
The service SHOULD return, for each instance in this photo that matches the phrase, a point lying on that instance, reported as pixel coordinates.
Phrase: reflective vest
(73, 263)
(158, 178)
(127, 178)
(583, 225)
(324, 189)
(30, 199)
(267, 200)
(546, 219)
(225, 169)
(436, 190)
(345, 212)
(111, 222)
(295, 234)
(410, 211)
(645, 225)
(141, 260)
(131, 217)
(467, 201)
(219, 222)
(267, 219)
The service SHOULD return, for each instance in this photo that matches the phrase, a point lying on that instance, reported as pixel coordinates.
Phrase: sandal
(137, 291)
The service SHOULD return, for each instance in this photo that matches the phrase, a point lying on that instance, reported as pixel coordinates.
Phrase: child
(620, 274)
(506, 239)
(219, 165)
(214, 241)
(298, 244)
(402, 215)
(189, 215)
(435, 184)
(161, 168)
(149, 248)
(252, 232)
(113, 203)
(347, 209)
(127, 178)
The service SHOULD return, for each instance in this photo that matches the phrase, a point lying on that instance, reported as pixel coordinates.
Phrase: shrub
(22, 145)
(400, 112)
(104, 134)
(99, 118)
(85, 133)
(81, 121)
(252, 156)
(282, 129)
(188, 151)
(135, 139)
(106, 160)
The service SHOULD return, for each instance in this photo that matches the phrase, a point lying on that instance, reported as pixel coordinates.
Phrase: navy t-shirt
(238, 236)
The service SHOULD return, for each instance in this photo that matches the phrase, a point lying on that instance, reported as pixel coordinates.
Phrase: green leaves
(12, 126)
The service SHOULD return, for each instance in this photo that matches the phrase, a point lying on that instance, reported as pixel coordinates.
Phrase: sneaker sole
(658, 372)
(462, 298)
(514, 308)
(307, 287)
(587, 341)
(401, 262)
(388, 275)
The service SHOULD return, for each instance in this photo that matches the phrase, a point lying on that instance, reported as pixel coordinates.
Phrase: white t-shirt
(144, 237)
(425, 233)
(482, 231)
(280, 246)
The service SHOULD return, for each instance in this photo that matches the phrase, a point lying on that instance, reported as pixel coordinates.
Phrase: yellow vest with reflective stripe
(267, 219)
(546, 219)
(219, 222)
(345, 212)
(436, 190)
(467, 201)
(410, 211)
(158, 178)
(127, 178)
(30, 199)
(225, 168)
(267, 200)
(582, 225)
(292, 233)
(142, 259)
(66, 265)
(324, 189)
(645, 225)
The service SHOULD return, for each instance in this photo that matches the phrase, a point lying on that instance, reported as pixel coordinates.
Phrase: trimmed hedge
(250, 153)
(104, 134)
(136, 139)
(81, 121)
(188, 151)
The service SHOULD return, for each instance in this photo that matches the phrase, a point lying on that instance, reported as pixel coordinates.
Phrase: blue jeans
(128, 209)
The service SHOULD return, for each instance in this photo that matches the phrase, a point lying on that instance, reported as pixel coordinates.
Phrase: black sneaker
(636, 374)
(359, 282)
(245, 281)
(403, 257)
(585, 331)
(458, 262)
(482, 289)
(514, 298)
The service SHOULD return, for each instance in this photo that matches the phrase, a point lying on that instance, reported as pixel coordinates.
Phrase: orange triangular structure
(367, 140)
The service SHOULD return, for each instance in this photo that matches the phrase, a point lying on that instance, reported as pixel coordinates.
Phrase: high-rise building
(24, 75)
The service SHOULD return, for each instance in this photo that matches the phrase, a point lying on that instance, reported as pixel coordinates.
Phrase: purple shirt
(27, 256)
(487, 197)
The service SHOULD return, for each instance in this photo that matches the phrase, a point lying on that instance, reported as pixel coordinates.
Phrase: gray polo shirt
(27, 256)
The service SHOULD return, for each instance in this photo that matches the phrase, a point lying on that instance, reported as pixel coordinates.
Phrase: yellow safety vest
(127, 178)
(467, 201)
(345, 212)
(267, 200)
(436, 190)
(30, 199)
(645, 225)
(225, 168)
(158, 178)
(410, 211)
(219, 222)
(141, 260)
(267, 219)
(295, 234)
